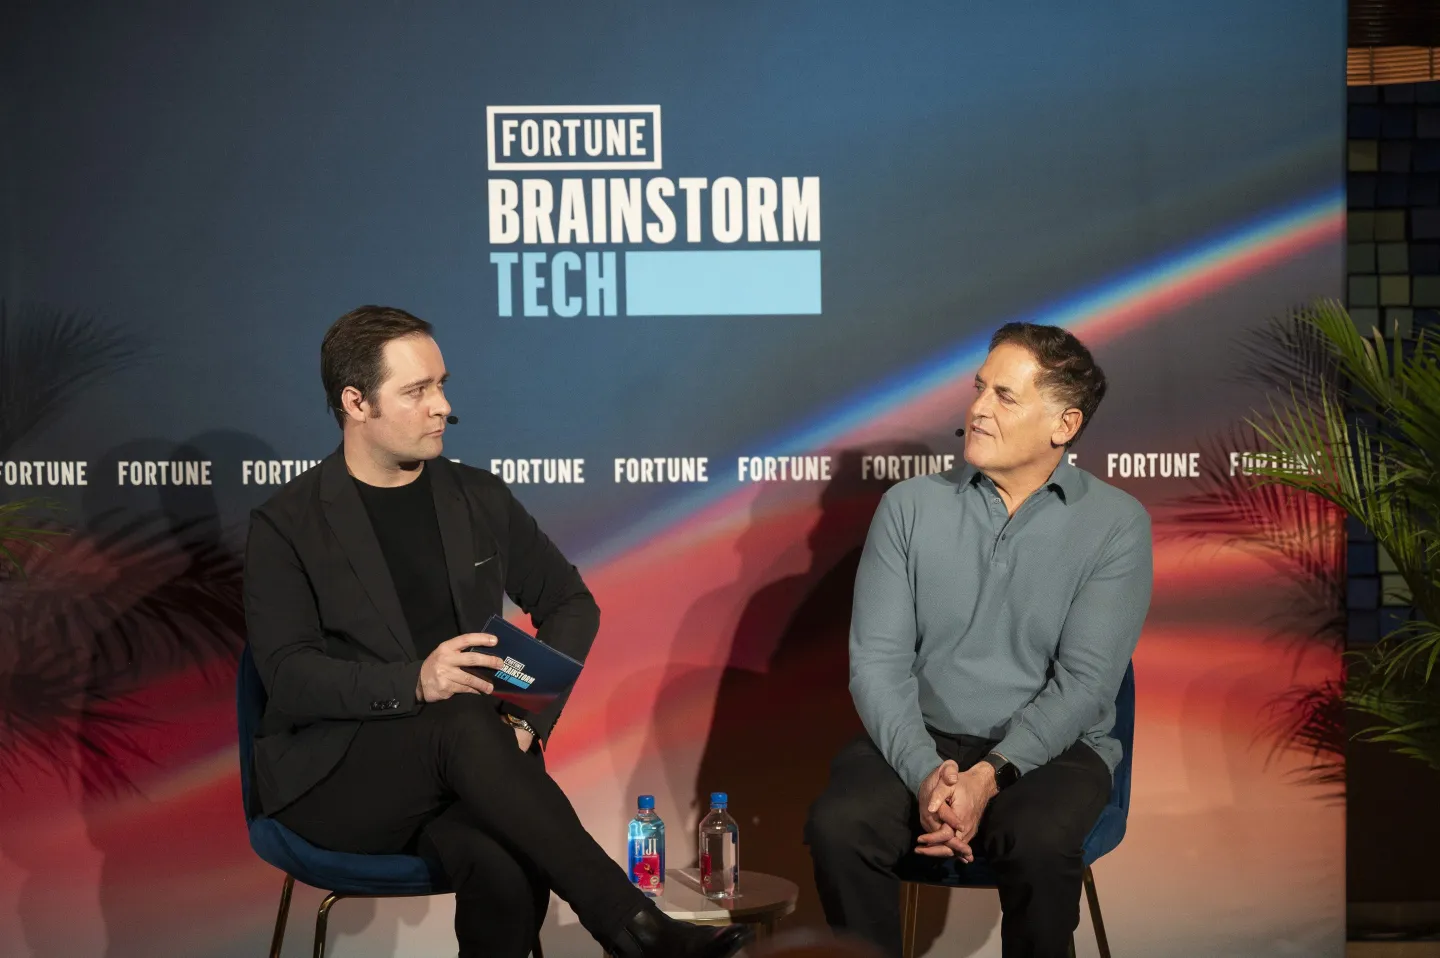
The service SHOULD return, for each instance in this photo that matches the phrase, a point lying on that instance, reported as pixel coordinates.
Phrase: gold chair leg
(1101, 941)
(322, 918)
(278, 938)
(909, 915)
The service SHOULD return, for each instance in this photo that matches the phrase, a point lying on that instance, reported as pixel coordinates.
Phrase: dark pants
(452, 785)
(863, 828)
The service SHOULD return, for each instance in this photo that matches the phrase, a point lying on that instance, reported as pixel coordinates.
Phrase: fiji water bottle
(647, 848)
(719, 850)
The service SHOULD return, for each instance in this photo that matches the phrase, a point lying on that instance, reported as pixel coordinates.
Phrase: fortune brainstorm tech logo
(554, 229)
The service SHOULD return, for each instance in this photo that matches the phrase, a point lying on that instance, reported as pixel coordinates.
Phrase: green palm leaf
(20, 528)
(1367, 439)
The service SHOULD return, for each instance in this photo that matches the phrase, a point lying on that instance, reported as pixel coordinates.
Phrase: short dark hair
(1067, 370)
(353, 351)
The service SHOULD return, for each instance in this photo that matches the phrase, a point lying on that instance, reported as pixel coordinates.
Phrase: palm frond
(20, 526)
(1404, 712)
(1298, 534)
(58, 718)
(1365, 436)
(97, 617)
(1287, 353)
(1312, 721)
(48, 357)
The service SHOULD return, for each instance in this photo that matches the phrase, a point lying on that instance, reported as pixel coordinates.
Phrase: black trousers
(863, 827)
(451, 784)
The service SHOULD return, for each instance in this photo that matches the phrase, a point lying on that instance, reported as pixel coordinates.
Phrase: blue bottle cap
(720, 799)
(647, 802)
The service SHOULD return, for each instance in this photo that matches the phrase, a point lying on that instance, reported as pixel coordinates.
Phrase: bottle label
(646, 870)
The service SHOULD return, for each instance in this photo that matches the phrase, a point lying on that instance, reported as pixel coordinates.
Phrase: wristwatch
(519, 722)
(1005, 773)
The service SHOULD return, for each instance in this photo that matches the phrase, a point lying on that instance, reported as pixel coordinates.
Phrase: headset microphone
(452, 420)
(960, 431)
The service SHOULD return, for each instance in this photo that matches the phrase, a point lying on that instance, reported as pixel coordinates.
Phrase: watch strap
(519, 722)
(1006, 774)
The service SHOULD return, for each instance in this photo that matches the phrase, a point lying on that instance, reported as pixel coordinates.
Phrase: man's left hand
(960, 813)
(524, 739)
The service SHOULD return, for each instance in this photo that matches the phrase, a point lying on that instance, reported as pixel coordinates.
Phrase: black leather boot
(653, 934)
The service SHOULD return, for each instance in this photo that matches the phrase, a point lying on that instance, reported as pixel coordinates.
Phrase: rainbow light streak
(1105, 309)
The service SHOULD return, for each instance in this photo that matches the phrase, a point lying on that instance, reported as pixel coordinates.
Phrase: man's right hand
(939, 839)
(443, 674)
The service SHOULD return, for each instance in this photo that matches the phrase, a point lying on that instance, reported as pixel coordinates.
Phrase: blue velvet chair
(1103, 838)
(340, 874)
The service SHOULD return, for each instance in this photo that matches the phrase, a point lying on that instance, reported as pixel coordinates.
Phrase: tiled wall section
(1394, 266)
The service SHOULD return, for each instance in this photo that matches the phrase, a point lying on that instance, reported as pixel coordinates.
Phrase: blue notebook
(534, 673)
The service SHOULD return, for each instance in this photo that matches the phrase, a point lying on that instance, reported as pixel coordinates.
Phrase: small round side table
(760, 900)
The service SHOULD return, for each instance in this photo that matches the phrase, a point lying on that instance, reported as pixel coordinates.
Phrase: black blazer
(326, 627)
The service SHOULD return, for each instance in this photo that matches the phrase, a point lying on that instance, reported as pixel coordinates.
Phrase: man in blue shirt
(996, 609)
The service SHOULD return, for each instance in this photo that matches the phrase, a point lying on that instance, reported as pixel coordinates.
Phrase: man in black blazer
(365, 580)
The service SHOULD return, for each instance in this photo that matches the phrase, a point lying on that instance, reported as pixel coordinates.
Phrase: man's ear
(1066, 427)
(352, 401)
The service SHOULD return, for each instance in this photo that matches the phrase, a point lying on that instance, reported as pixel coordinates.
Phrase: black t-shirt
(409, 534)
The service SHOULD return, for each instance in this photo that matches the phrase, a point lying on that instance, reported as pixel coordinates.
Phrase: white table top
(758, 897)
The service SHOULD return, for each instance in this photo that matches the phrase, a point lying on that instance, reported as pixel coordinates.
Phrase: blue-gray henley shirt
(1015, 628)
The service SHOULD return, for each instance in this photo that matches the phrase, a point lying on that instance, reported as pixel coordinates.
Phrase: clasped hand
(951, 803)
(443, 674)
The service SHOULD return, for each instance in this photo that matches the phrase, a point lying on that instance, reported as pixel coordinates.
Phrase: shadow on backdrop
(782, 706)
(183, 566)
(126, 632)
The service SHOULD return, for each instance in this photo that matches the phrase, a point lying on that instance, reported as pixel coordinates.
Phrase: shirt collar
(1064, 480)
